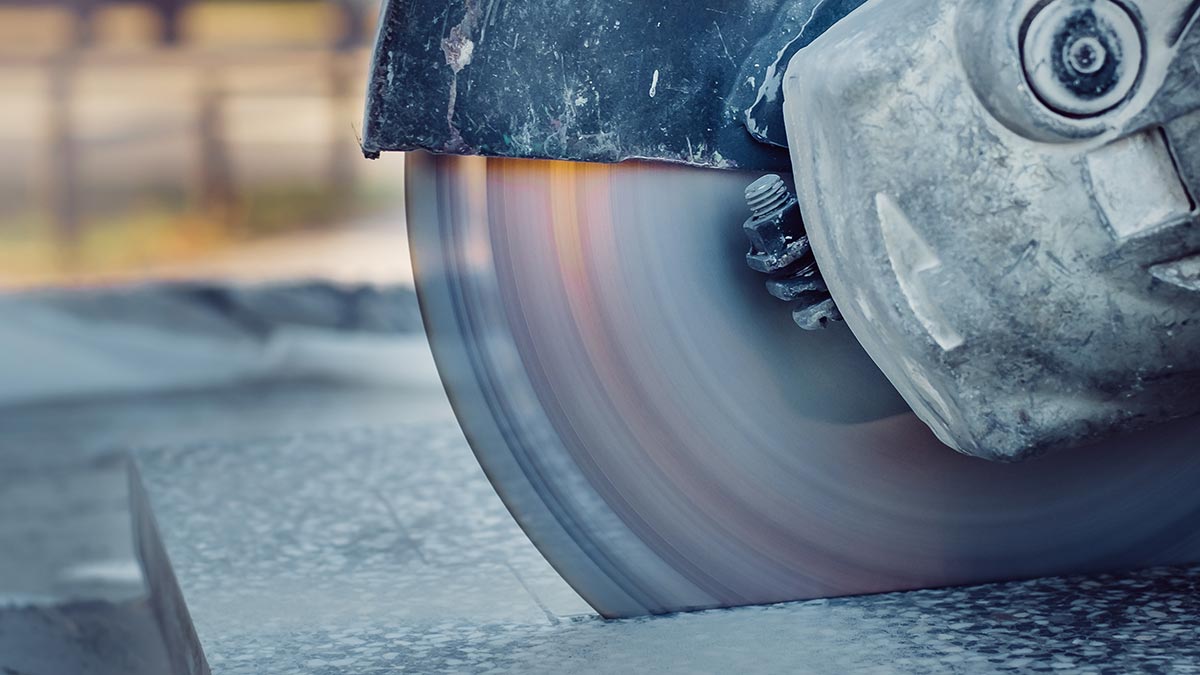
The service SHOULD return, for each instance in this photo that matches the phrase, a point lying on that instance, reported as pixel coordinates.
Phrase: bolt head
(1082, 58)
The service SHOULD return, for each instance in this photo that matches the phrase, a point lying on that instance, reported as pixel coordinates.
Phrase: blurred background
(184, 139)
(209, 335)
(183, 201)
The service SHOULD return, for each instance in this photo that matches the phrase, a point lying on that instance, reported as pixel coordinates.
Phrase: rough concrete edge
(184, 652)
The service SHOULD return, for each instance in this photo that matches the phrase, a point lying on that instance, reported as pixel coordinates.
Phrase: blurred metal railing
(205, 80)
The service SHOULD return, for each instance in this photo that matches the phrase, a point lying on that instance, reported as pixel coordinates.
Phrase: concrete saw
(670, 441)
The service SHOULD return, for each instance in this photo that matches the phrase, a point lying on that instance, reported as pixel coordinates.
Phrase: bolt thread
(766, 195)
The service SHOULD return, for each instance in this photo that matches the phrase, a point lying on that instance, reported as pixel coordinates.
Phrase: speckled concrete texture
(345, 526)
(325, 529)
(384, 550)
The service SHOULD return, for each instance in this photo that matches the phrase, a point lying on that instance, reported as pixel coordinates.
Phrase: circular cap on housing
(1082, 57)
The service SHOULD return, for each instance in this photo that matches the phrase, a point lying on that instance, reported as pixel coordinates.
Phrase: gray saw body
(1021, 273)
(997, 198)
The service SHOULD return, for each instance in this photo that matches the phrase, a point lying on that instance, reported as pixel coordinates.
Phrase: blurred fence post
(171, 17)
(341, 160)
(62, 162)
(352, 21)
(85, 23)
(215, 190)
(97, 153)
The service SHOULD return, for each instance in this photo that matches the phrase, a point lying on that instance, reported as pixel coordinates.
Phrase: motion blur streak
(670, 441)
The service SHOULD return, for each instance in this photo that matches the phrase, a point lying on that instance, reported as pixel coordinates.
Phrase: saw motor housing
(1001, 197)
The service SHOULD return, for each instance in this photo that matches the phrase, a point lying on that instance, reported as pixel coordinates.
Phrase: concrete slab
(396, 527)
(1146, 624)
(384, 550)
(85, 586)
(68, 536)
(324, 530)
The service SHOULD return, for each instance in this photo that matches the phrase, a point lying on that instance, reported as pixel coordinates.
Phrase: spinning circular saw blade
(670, 441)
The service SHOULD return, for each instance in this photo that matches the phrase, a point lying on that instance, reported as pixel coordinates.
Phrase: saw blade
(670, 441)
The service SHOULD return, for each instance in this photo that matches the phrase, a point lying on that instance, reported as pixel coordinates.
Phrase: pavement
(330, 525)
(60, 346)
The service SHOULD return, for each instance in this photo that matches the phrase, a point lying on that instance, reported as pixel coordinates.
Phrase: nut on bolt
(776, 229)
(780, 249)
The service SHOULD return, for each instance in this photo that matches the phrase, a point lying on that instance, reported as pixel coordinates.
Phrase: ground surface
(335, 523)
(319, 529)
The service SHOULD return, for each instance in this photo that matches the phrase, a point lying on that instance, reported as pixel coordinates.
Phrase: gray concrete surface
(85, 586)
(81, 638)
(75, 533)
(140, 340)
(319, 529)
(322, 526)
(73, 596)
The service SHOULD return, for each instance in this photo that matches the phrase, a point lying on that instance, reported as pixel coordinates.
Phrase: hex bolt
(767, 194)
(781, 250)
(776, 229)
